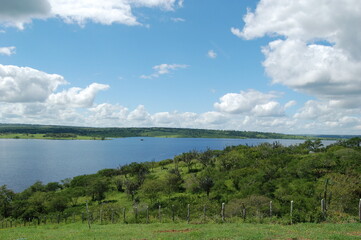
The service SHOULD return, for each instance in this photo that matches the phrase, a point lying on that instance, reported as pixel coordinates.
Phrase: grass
(184, 231)
(41, 136)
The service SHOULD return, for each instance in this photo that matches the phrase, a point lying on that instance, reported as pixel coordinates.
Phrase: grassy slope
(41, 136)
(80, 231)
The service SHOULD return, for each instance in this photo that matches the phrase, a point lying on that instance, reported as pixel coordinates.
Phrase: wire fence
(145, 215)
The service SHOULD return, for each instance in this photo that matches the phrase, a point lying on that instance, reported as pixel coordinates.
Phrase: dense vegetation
(137, 132)
(243, 177)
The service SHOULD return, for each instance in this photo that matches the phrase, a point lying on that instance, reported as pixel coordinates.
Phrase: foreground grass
(184, 231)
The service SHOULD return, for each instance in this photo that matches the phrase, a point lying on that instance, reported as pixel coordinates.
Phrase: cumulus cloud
(77, 97)
(28, 95)
(322, 71)
(212, 54)
(163, 69)
(315, 109)
(24, 84)
(251, 102)
(272, 108)
(328, 116)
(8, 51)
(318, 50)
(139, 115)
(103, 12)
(18, 12)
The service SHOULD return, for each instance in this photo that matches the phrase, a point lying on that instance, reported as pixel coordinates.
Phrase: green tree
(6, 198)
(131, 187)
(206, 158)
(206, 183)
(188, 158)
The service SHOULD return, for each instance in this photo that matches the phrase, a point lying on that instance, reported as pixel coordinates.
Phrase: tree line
(139, 132)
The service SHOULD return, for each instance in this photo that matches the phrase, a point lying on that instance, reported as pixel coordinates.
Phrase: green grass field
(183, 231)
(41, 136)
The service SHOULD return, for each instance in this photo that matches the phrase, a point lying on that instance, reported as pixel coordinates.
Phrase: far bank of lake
(24, 161)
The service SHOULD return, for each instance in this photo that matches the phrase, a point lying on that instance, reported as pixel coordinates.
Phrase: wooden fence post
(222, 212)
(112, 216)
(291, 212)
(244, 212)
(359, 210)
(188, 213)
(160, 213)
(323, 208)
(147, 214)
(87, 210)
(173, 213)
(270, 209)
(124, 220)
(136, 214)
(100, 214)
(204, 213)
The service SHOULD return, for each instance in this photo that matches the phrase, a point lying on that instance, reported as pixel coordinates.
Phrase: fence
(143, 215)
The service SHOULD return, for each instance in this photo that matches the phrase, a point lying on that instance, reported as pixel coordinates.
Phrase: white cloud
(212, 54)
(164, 118)
(178, 19)
(19, 12)
(249, 101)
(28, 95)
(8, 51)
(180, 3)
(168, 5)
(237, 32)
(139, 114)
(318, 50)
(24, 84)
(328, 117)
(271, 108)
(163, 69)
(77, 97)
(109, 111)
(322, 71)
(103, 12)
(290, 104)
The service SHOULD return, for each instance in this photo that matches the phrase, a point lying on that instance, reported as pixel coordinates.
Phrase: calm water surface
(22, 161)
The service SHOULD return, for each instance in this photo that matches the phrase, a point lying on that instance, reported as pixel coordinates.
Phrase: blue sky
(268, 65)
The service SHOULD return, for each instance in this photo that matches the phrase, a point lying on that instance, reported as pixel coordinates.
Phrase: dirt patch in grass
(358, 234)
(298, 239)
(177, 231)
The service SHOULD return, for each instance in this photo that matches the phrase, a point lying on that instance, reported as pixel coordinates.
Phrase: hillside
(10, 130)
(256, 184)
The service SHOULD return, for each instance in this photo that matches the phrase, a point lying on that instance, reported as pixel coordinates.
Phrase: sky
(270, 65)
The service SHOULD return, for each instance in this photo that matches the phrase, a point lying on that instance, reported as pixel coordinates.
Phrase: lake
(22, 161)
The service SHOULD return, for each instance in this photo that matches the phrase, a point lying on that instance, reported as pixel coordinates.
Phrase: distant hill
(145, 132)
